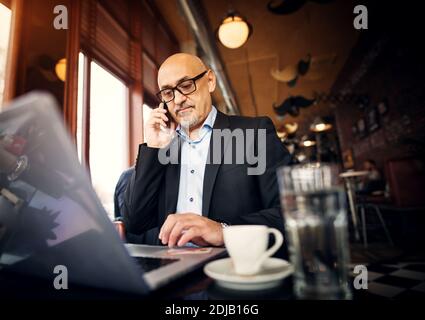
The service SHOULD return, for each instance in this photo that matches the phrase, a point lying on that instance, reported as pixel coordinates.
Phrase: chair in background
(406, 183)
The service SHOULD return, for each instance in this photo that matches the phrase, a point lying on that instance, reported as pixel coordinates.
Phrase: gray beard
(190, 122)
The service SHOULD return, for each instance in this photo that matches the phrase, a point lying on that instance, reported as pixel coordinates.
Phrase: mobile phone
(168, 114)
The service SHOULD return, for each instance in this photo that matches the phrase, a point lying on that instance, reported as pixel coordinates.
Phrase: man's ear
(211, 81)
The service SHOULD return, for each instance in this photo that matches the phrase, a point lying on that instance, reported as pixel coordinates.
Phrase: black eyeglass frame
(199, 76)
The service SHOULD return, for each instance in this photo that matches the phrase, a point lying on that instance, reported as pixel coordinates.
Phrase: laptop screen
(49, 212)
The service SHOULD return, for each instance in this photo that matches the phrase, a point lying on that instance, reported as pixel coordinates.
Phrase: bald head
(180, 61)
(193, 84)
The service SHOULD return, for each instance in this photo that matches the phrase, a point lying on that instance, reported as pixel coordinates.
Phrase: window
(5, 20)
(102, 127)
(146, 114)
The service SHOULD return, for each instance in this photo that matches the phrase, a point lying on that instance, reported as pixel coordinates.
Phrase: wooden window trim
(15, 43)
(71, 83)
(85, 119)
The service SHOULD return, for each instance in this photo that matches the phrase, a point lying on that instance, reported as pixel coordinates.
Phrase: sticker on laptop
(180, 251)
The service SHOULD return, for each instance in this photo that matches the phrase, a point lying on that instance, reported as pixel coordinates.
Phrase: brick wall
(387, 66)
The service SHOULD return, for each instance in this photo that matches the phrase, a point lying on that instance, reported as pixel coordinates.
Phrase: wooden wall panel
(164, 45)
(120, 10)
(150, 73)
(148, 29)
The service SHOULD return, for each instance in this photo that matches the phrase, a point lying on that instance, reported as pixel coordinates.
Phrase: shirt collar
(205, 128)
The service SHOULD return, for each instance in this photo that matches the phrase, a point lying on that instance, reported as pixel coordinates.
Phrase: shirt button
(192, 171)
(191, 199)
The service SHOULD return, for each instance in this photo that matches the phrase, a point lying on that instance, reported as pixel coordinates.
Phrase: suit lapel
(211, 169)
(172, 179)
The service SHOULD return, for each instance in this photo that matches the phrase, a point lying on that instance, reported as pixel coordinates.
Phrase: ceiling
(277, 41)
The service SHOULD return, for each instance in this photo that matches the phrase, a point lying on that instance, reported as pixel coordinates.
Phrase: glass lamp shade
(319, 125)
(233, 31)
(60, 69)
(308, 143)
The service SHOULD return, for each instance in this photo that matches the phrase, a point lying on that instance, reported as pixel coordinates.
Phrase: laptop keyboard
(148, 263)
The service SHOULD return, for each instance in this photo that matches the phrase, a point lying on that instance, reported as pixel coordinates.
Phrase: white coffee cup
(247, 246)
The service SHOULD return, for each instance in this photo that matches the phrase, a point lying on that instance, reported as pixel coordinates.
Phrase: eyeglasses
(185, 87)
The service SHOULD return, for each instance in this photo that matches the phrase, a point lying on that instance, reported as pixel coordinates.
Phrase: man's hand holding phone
(160, 128)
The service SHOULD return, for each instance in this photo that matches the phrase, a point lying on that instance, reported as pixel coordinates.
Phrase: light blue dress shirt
(194, 155)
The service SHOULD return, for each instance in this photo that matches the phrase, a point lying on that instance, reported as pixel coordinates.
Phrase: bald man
(191, 201)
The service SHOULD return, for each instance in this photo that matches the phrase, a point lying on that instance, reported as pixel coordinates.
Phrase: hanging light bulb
(234, 30)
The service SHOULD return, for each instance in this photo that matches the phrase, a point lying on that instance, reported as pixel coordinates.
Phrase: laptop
(50, 215)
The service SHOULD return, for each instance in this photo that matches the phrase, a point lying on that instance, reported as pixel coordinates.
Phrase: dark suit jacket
(229, 194)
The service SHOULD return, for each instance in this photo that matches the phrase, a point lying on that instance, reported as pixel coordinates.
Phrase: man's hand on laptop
(179, 229)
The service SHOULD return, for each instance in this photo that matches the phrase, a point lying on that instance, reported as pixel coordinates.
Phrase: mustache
(178, 109)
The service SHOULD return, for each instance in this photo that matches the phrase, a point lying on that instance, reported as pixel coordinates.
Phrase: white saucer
(270, 276)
